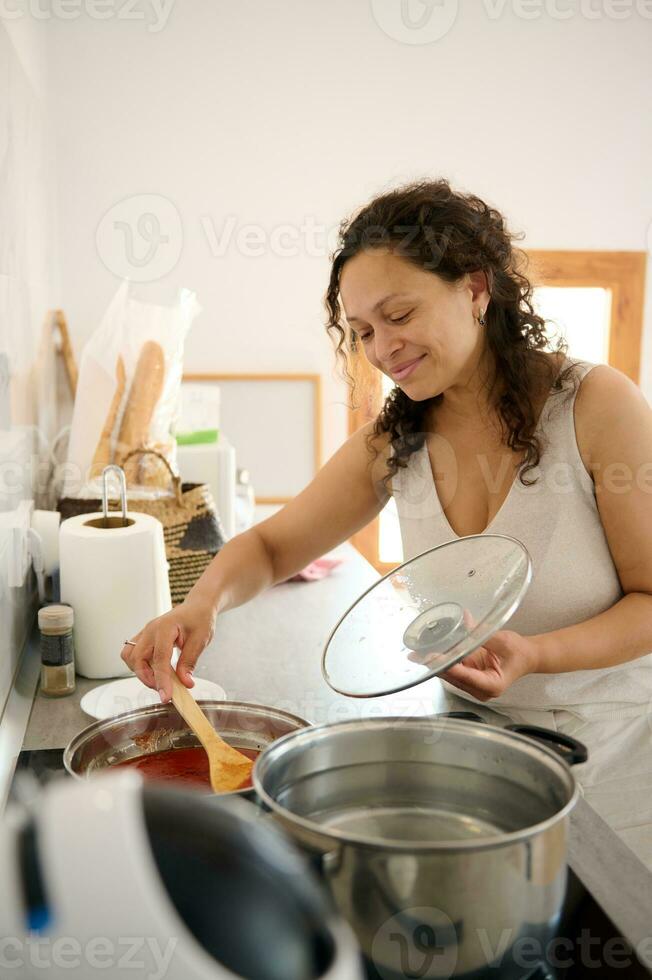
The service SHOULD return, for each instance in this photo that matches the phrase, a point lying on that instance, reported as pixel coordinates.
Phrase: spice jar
(57, 650)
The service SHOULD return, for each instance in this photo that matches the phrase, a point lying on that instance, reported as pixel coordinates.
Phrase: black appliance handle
(572, 751)
(463, 715)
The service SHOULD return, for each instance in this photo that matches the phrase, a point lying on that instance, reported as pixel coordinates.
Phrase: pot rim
(480, 843)
(136, 714)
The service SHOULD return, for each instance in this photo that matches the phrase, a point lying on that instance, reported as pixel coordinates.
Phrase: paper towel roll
(116, 580)
(46, 525)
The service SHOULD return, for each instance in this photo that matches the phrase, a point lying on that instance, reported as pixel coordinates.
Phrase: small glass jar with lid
(57, 650)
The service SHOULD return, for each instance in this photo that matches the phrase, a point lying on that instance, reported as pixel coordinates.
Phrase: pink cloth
(316, 570)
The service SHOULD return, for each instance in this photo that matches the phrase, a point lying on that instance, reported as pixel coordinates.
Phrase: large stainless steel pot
(160, 726)
(443, 841)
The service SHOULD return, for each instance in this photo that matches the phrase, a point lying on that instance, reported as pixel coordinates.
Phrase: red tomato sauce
(188, 766)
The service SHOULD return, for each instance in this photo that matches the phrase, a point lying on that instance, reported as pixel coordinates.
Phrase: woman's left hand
(492, 668)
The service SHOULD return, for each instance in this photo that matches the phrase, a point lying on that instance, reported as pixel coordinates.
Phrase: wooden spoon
(229, 769)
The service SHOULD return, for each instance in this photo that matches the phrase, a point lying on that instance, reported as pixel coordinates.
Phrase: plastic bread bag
(128, 393)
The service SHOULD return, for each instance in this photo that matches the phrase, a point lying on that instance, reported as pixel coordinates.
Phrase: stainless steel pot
(443, 841)
(160, 727)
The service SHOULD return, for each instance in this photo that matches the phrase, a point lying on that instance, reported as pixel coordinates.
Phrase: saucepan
(443, 840)
(160, 727)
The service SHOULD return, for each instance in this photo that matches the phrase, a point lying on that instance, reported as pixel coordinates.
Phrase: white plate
(130, 694)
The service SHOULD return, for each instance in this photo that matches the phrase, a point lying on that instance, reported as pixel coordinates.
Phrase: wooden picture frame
(268, 417)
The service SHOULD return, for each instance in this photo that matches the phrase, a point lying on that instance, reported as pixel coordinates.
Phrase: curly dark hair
(450, 234)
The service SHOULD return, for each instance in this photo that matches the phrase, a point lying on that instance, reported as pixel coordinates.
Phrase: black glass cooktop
(589, 941)
(537, 973)
(44, 764)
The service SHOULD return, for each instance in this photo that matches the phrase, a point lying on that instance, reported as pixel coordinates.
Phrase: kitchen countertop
(269, 652)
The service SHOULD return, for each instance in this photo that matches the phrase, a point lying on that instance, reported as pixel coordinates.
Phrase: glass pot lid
(427, 614)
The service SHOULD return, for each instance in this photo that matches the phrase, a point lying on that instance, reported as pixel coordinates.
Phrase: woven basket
(191, 526)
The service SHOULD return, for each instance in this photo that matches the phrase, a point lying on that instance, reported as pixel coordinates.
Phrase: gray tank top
(557, 519)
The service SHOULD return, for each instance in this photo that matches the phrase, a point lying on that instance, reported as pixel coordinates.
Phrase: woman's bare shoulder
(603, 390)
(372, 435)
(609, 407)
(374, 445)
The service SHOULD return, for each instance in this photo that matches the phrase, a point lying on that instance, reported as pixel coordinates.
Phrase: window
(593, 299)
(579, 314)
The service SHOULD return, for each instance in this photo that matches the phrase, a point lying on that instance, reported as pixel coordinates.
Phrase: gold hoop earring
(481, 319)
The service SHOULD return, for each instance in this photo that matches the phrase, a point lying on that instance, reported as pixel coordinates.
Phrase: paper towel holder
(107, 522)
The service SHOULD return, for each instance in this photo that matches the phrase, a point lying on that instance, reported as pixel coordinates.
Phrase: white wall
(27, 289)
(280, 111)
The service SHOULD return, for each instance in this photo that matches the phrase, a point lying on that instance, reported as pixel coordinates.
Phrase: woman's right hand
(189, 626)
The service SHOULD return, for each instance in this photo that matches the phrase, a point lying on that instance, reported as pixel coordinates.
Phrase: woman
(484, 430)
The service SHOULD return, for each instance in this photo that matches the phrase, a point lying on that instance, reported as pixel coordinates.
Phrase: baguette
(146, 389)
(103, 454)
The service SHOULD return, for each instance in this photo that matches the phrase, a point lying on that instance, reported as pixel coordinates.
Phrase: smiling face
(416, 328)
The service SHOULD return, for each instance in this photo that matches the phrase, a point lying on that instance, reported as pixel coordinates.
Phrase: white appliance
(109, 878)
(207, 462)
(214, 464)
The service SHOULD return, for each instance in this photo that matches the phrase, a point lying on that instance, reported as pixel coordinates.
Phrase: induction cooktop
(587, 937)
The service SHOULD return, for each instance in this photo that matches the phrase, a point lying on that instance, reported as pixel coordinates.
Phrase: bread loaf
(104, 452)
(146, 389)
